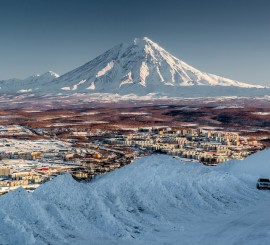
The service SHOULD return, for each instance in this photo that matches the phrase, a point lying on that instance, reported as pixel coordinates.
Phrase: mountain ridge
(140, 68)
(29, 84)
(141, 64)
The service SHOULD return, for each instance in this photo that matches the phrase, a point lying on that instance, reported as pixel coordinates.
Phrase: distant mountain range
(139, 68)
(30, 84)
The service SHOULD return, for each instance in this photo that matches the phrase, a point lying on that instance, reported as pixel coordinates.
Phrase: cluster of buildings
(29, 163)
(207, 146)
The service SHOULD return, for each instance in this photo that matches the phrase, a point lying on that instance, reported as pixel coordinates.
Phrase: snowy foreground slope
(155, 200)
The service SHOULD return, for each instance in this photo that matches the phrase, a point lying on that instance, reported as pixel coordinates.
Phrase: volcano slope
(155, 200)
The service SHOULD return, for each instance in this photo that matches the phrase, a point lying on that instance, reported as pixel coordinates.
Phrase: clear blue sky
(225, 37)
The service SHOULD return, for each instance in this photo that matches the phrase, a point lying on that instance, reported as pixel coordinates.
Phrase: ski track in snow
(155, 200)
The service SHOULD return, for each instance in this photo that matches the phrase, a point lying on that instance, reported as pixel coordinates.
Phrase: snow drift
(255, 166)
(155, 200)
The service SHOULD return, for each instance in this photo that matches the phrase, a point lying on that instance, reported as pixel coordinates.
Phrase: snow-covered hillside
(139, 68)
(31, 84)
(155, 200)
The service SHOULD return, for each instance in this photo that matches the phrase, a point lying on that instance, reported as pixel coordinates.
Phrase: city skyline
(229, 38)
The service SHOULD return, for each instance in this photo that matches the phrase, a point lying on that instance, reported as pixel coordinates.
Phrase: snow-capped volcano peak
(139, 67)
(144, 41)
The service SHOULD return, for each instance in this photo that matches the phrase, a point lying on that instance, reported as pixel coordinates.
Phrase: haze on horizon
(227, 38)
